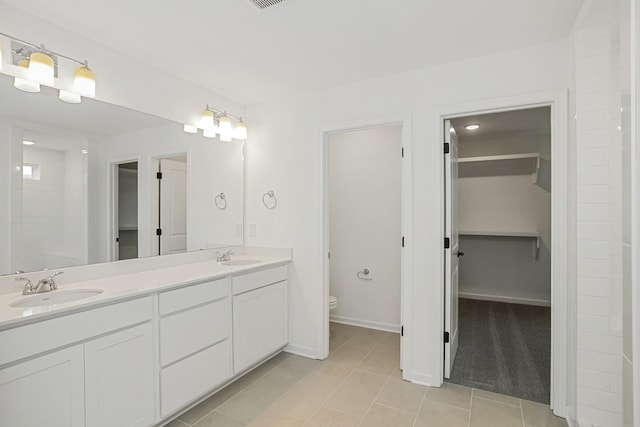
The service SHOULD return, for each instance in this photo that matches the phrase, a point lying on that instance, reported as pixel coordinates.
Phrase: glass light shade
(41, 68)
(84, 82)
(209, 133)
(70, 97)
(225, 137)
(190, 129)
(24, 84)
(206, 120)
(240, 132)
(224, 123)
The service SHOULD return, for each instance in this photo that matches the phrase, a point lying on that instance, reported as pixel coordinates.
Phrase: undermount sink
(55, 297)
(241, 262)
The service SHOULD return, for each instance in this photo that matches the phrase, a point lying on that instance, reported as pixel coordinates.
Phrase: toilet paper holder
(363, 274)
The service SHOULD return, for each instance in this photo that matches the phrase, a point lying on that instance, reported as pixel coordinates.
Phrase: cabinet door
(259, 324)
(119, 379)
(46, 391)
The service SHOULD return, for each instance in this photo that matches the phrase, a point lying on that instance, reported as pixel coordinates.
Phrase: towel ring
(271, 196)
(221, 201)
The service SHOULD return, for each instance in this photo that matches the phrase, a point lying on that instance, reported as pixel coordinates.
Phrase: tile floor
(359, 384)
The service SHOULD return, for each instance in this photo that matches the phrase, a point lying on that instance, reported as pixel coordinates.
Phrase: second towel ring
(221, 201)
(272, 197)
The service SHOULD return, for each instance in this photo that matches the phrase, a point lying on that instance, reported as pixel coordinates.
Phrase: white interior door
(452, 252)
(173, 206)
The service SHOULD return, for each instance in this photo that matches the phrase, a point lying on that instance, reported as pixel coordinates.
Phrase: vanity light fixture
(216, 122)
(41, 68)
(25, 84)
(472, 126)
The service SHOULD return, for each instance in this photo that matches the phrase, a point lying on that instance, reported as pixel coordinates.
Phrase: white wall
(500, 268)
(284, 154)
(120, 78)
(365, 206)
(599, 217)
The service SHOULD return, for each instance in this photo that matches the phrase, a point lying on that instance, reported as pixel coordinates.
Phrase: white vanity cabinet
(105, 381)
(195, 347)
(260, 320)
(45, 391)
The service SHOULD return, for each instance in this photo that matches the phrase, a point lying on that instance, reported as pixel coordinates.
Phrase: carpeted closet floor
(504, 348)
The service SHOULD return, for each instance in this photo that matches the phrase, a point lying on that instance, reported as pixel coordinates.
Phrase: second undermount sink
(235, 262)
(55, 297)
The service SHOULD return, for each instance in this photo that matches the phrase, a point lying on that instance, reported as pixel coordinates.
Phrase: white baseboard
(498, 298)
(365, 323)
(420, 379)
(308, 352)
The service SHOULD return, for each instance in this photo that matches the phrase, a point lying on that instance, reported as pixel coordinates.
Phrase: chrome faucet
(46, 284)
(28, 286)
(225, 256)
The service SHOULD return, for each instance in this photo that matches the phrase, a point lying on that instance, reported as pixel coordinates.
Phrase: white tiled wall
(599, 227)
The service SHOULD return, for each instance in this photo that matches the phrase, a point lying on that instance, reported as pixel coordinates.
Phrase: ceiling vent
(265, 4)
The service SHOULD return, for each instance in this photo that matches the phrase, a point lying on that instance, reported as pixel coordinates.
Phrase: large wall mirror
(94, 182)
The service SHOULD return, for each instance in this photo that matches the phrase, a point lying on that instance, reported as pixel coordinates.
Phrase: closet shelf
(525, 234)
(506, 164)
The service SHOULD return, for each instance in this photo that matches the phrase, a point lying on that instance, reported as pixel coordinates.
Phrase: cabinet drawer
(189, 331)
(25, 341)
(189, 296)
(194, 376)
(250, 281)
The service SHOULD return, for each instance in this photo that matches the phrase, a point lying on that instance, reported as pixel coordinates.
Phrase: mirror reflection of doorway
(172, 205)
(127, 211)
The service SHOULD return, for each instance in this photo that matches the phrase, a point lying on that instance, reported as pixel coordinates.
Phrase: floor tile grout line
(522, 414)
(495, 401)
(341, 383)
(424, 397)
(373, 402)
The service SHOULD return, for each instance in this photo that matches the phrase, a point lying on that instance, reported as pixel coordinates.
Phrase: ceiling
(531, 121)
(230, 47)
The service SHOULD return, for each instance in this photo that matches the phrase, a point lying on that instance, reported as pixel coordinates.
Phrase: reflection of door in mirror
(127, 217)
(172, 205)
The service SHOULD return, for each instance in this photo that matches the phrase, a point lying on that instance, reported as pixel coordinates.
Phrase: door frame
(561, 223)
(406, 207)
(112, 203)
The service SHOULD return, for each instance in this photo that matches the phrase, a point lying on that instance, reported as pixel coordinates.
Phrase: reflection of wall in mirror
(50, 228)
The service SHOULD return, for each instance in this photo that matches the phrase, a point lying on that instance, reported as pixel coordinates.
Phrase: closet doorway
(363, 194)
(498, 275)
(125, 211)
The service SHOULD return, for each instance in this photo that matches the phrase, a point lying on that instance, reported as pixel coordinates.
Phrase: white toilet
(333, 302)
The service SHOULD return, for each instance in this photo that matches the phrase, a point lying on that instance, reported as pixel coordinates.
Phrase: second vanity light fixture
(216, 122)
(34, 65)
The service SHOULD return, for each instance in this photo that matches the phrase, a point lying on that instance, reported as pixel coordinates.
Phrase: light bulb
(84, 82)
(24, 84)
(209, 133)
(70, 97)
(206, 120)
(225, 137)
(224, 123)
(190, 129)
(240, 132)
(41, 68)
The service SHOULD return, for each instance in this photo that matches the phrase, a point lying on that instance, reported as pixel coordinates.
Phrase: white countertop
(128, 286)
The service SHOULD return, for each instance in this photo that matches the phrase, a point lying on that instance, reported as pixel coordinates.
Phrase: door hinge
(403, 152)
(447, 243)
(446, 337)
(159, 175)
(401, 331)
(158, 231)
(329, 255)
(446, 148)
(117, 239)
(403, 241)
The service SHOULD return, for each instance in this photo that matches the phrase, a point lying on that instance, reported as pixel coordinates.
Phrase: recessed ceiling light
(28, 142)
(472, 126)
